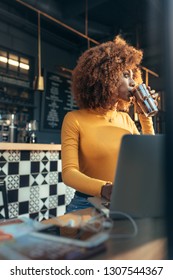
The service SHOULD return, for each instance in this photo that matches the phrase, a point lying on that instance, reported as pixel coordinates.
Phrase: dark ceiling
(139, 21)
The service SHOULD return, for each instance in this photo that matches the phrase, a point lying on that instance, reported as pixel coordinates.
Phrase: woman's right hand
(106, 191)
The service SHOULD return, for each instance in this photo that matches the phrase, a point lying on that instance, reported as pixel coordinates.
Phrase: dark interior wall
(61, 47)
(18, 40)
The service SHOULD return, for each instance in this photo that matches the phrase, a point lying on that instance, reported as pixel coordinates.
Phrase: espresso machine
(31, 132)
(8, 128)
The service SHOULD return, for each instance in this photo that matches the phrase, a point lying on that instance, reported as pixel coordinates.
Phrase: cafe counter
(33, 187)
(29, 147)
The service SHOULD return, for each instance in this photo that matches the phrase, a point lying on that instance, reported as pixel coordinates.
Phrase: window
(15, 65)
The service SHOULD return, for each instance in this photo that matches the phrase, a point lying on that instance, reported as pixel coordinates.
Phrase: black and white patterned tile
(45, 178)
(53, 166)
(44, 167)
(25, 156)
(3, 169)
(13, 168)
(53, 189)
(53, 212)
(14, 156)
(61, 210)
(24, 194)
(13, 195)
(35, 179)
(10, 156)
(2, 207)
(24, 167)
(44, 204)
(35, 156)
(23, 207)
(53, 178)
(39, 179)
(69, 194)
(1, 199)
(59, 165)
(35, 167)
(13, 209)
(12, 182)
(24, 181)
(59, 177)
(44, 191)
(2, 158)
(61, 199)
(45, 156)
(2, 212)
(61, 188)
(53, 201)
(4, 166)
(34, 199)
(34, 185)
(54, 155)
(43, 215)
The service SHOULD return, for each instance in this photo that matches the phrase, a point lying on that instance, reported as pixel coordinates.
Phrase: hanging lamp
(39, 80)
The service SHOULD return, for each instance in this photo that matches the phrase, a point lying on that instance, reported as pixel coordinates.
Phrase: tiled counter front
(33, 183)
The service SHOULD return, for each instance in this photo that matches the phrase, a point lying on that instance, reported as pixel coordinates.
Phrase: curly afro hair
(98, 73)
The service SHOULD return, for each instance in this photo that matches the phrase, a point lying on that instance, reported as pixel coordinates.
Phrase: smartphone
(82, 237)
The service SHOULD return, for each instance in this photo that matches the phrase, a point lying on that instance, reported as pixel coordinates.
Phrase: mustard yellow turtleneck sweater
(90, 146)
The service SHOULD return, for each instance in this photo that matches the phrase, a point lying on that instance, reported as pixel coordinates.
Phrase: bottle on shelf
(33, 138)
(31, 128)
(12, 130)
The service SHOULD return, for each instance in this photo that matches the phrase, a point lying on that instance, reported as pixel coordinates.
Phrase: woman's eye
(126, 75)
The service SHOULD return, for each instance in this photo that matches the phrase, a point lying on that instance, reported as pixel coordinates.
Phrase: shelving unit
(16, 92)
(16, 100)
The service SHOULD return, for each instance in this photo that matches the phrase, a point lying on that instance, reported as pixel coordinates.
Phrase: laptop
(139, 180)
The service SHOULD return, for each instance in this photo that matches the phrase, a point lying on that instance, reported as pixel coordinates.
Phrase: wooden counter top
(30, 147)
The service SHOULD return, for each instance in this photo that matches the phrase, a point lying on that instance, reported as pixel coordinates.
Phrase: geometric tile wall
(33, 182)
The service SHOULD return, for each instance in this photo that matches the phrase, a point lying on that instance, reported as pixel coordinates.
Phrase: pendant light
(39, 80)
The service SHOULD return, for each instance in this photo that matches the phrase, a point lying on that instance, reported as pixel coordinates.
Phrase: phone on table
(82, 237)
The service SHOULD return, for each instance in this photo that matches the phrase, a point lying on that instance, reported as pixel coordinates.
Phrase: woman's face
(127, 83)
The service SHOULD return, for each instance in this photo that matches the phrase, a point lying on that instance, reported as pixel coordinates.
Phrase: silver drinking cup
(144, 100)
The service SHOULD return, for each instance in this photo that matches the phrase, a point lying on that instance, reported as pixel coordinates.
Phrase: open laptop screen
(139, 185)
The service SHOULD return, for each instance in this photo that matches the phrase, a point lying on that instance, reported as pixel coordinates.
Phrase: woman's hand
(106, 191)
(154, 95)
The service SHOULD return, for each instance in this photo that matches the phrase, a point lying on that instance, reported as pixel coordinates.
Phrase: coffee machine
(8, 128)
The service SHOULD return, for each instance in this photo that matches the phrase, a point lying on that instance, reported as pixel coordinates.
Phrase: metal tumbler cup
(144, 100)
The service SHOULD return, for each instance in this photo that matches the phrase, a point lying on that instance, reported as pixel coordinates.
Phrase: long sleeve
(70, 160)
(90, 148)
(146, 124)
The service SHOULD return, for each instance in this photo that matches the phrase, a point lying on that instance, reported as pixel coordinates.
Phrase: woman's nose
(132, 83)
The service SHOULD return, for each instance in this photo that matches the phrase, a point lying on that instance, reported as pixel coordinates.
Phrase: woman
(91, 136)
